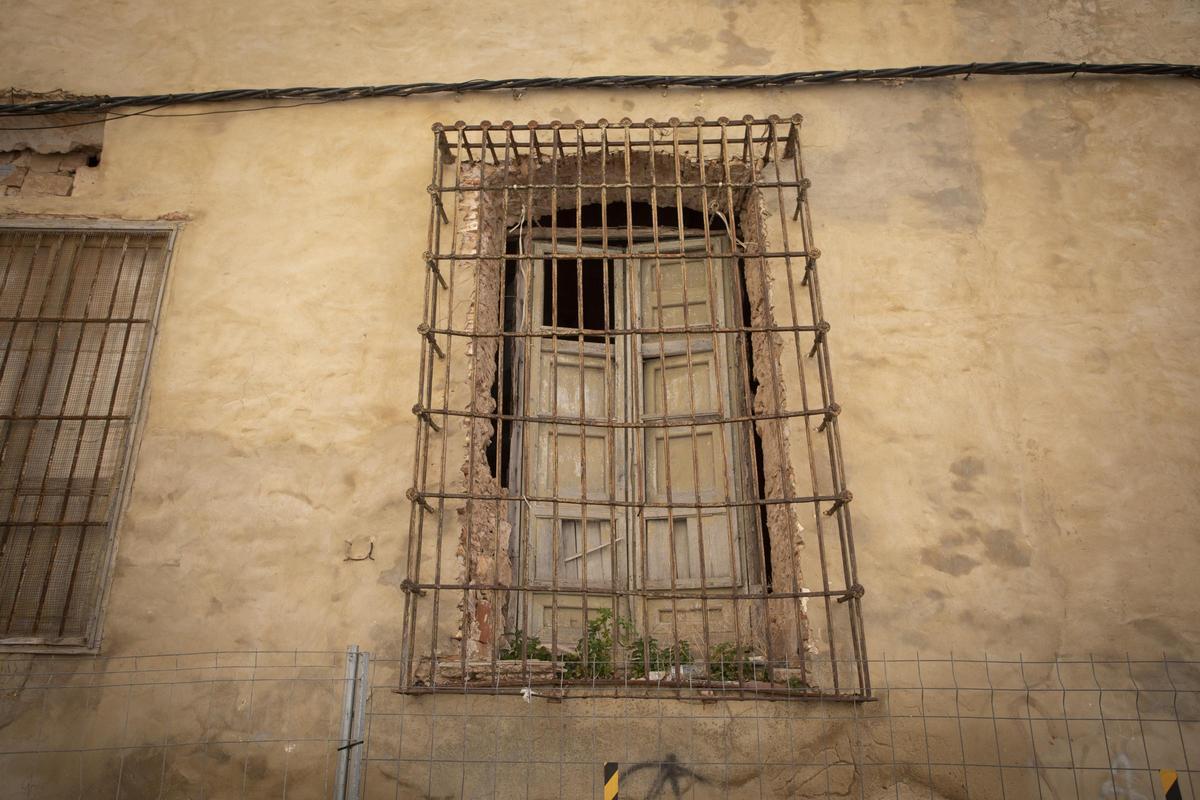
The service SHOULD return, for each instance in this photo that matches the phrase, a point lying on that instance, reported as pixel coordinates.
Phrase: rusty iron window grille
(79, 304)
(628, 474)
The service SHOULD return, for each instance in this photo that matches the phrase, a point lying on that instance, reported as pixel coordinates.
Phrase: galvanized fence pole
(348, 783)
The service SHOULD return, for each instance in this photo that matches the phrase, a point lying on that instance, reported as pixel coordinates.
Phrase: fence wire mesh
(271, 724)
(214, 724)
(940, 729)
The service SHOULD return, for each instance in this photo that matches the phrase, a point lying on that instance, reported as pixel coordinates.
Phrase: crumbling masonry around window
(727, 567)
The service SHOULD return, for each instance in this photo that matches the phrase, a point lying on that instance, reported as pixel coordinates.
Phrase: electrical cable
(314, 95)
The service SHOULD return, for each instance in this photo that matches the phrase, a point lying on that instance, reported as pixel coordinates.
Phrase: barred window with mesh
(627, 474)
(77, 315)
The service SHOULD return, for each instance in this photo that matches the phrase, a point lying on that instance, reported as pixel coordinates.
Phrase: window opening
(78, 310)
(757, 446)
(628, 468)
(577, 287)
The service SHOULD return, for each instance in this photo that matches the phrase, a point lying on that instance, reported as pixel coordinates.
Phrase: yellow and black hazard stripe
(611, 779)
(1170, 784)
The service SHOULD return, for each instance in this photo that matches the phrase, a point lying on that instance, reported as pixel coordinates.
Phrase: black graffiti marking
(668, 772)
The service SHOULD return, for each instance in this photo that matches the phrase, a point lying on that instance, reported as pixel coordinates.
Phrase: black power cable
(330, 94)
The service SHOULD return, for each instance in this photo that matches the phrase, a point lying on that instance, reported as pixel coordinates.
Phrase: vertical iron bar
(799, 615)
(832, 431)
(692, 423)
(775, 364)
(532, 349)
(116, 386)
(611, 413)
(665, 463)
(498, 426)
(416, 522)
(763, 534)
(46, 580)
(470, 607)
(583, 525)
(19, 455)
(722, 367)
(635, 395)
(439, 514)
(556, 523)
(51, 270)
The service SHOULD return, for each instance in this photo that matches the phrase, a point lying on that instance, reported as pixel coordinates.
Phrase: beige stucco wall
(1009, 266)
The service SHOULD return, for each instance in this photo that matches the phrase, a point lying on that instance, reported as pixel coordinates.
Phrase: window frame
(490, 180)
(90, 643)
(630, 354)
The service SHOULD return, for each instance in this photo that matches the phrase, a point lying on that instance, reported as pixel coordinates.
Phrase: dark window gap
(755, 439)
(499, 448)
(640, 215)
(563, 280)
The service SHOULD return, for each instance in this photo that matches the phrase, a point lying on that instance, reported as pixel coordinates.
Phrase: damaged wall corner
(51, 157)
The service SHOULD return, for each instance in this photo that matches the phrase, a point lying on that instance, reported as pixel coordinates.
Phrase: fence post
(348, 783)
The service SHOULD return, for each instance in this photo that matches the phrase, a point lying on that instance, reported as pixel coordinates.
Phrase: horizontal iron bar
(539, 234)
(623, 256)
(72, 496)
(574, 590)
(460, 188)
(721, 690)
(695, 330)
(569, 147)
(589, 422)
(799, 78)
(64, 417)
(89, 320)
(678, 504)
(625, 122)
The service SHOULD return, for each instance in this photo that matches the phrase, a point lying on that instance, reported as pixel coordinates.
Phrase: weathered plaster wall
(94, 46)
(1009, 267)
(1013, 339)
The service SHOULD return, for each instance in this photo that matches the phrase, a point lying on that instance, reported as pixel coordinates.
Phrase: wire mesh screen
(279, 724)
(77, 312)
(202, 724)
(628, 470)
(939, 728)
